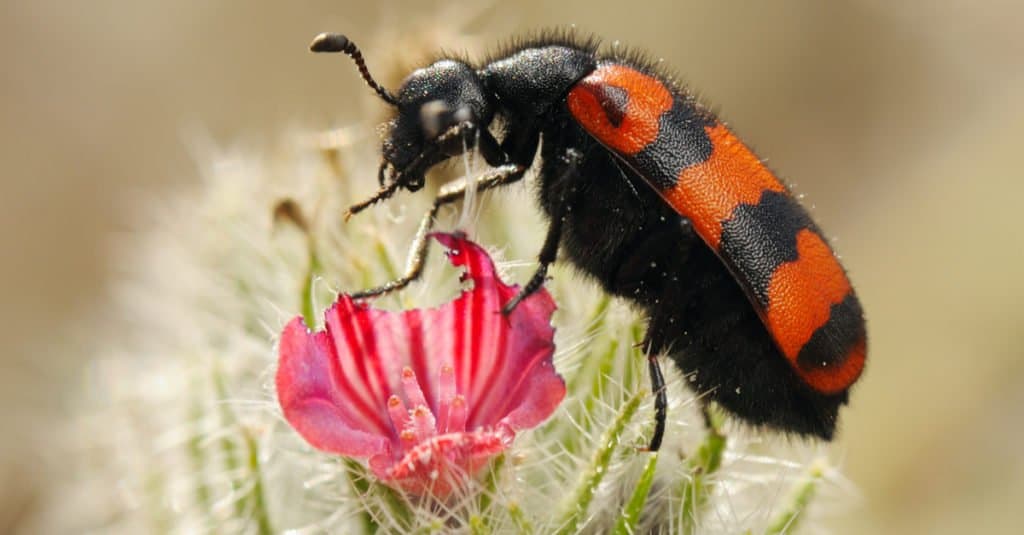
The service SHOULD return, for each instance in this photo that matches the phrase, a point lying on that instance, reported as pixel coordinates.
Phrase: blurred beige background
(901, 122)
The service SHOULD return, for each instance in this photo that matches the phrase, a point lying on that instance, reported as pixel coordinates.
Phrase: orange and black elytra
(653, 197)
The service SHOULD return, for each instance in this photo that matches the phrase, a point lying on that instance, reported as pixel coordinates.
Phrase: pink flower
(427, 395)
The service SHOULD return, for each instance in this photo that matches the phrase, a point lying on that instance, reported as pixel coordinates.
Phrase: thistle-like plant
(183, 430)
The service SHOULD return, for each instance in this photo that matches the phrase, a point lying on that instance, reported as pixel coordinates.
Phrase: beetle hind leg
(660, 401)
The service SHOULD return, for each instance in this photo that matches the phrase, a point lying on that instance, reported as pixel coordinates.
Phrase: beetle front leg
(498, 176)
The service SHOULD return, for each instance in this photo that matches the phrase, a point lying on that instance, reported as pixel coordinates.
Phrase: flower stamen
(457, 415)
(411, 388)
(445, 392)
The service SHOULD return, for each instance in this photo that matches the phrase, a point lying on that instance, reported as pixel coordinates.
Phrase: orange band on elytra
(707, 193)
(646, 100)
(802, 292)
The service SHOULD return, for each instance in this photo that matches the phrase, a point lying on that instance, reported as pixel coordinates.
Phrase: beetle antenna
(335, 42)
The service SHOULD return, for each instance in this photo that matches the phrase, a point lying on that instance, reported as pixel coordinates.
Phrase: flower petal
(314, 402)
(425, 394)
(504, 364)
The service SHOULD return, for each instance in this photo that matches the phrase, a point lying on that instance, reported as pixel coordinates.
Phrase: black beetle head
(440, 108)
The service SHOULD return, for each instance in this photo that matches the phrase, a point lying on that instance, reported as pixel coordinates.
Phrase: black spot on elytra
(759, 238)
(682, 142)
(614, 101)
(831, 343)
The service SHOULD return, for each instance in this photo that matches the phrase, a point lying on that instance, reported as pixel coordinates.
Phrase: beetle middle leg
(549, 251)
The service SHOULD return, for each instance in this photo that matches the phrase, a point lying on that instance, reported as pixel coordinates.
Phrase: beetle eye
(432, 115)
(462, 115)
(437, 118)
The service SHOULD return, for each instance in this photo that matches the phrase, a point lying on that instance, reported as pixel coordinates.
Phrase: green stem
(360, 487)
(631, 513)
(491, 487)
(605, 362)
(227, 445)
(800, 496)
(636, 356)
(256, 497)
(577, 506)
(478, 525)
(604, 369)
(701, 466)
(522, 523)
(308, 313)
(253, 499)
(394, 504)
(596, 324)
